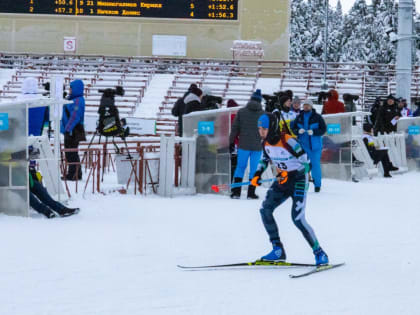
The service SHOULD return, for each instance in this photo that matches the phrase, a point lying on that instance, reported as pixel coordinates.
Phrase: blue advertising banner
(414, 130)
(205, 127)
(4, 121)
(333, 129)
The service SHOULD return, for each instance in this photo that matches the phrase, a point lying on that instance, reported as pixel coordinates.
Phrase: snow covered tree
(335, 37)
(299, 35)
(357, 44)
(359, 36)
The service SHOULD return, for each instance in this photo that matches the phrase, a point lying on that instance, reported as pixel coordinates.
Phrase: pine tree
(298, 31)
(335, 28)
(359, 36)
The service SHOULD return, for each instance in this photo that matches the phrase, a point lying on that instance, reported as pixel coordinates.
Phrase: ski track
(119, 255)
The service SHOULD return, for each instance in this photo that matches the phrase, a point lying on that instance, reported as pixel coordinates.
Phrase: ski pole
(222, 187)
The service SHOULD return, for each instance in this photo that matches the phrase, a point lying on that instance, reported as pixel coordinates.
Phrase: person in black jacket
(377, 155)
(387, 117)
(193, 101)
(179, 108)
(374, 111)
(245, 125)
(209, 101)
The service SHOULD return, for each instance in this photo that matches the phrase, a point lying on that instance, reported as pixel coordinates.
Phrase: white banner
(169, 45)
(141, 126)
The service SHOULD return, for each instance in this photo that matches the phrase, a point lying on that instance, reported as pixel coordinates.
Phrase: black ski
(317, 269)
(250, 264)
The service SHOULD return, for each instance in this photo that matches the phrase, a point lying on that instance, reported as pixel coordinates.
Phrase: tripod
(117, 149)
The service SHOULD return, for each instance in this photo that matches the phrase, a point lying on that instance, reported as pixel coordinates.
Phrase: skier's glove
(282, 177)
(256, 180)
(301, 131)
(310, 132)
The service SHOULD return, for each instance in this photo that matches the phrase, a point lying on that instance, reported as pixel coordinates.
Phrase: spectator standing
(233, 148)
(72, 126)
(387, 117)
(310, 126)
(333, 105)
(245, 125)
(193, 101)
(374, 111)
(349, 105)
(296, 105)
(403, 108)
(416, 113)
(287, 112)
(179, 108)
(209, 101)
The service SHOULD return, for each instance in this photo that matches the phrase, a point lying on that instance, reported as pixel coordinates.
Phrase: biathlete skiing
(291, 161)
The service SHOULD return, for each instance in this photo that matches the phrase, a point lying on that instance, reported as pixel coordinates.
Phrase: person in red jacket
(333, 105)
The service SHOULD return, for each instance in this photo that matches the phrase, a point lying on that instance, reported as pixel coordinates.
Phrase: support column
(404, 49)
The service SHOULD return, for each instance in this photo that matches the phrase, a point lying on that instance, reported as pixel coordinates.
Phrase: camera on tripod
(109, 123)
(322, 96)
(350, 97)
(272, 102)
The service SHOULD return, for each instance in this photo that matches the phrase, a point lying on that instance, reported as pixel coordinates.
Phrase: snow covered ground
(119, 255)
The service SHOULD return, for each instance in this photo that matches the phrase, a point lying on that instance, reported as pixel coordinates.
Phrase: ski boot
(277, 254)
(65, 212)
(251, 192)
(236, 191)
(49, 213)
(321, 257)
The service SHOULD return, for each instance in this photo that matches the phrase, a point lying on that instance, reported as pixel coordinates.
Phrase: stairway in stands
(374, 87)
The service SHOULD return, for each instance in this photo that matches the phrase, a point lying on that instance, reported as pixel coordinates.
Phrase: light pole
(404, 49)
(324, 85)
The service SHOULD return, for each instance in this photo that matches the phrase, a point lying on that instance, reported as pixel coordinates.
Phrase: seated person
(41, 201)
(377, 155)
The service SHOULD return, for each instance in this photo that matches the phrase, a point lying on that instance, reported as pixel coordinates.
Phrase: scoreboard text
(177, 9)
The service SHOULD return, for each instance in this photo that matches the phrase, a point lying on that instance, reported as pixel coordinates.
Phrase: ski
(316, 269)
(250, 264)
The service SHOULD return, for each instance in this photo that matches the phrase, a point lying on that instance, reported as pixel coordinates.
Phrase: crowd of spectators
(297, 118)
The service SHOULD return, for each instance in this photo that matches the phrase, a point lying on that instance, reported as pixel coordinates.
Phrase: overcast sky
(346, 4)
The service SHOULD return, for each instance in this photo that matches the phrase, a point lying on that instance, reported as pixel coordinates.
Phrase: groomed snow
(119, 255)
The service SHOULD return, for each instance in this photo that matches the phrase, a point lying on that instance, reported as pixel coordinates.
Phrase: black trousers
(71, 143)
(381, 155)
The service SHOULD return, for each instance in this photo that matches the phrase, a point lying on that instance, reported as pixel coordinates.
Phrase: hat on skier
(270, 122)
(264, 121)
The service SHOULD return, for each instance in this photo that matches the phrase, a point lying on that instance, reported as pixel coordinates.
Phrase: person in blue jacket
(310, 126)
(38, 116)
(72, 126)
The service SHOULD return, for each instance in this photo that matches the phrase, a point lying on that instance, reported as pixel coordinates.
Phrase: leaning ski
(253, 263)
(317, 269)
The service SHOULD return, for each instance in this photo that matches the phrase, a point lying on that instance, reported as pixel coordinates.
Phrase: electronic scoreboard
(173, 9)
